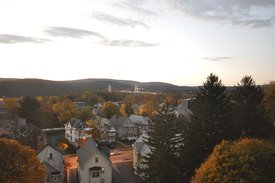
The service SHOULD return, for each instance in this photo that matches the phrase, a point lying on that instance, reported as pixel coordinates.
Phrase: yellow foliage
(247, 160)
(11, 103)
(19, 163)
(62, 146)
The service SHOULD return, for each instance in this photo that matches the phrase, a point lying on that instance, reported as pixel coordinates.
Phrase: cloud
(117, 20)
(247, 13)
(136, 6)
(218, 59)
(11, 39)
(127, 43)
(78, 33)
(70, 32)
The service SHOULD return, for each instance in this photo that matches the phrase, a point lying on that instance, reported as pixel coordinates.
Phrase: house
(125, 128)
(141, 122)
(81, 105)
(107, 132)
(93, 165)
(97, 109)
(135, 108)
(52, 160)
(77, 132)
(140, 151)
(183, 109)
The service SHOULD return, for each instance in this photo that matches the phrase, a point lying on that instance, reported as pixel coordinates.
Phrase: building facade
(77, 132)
(93, 165)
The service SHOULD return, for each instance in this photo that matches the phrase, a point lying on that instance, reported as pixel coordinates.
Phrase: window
(95, 174)
(54, 179)
(96, 160)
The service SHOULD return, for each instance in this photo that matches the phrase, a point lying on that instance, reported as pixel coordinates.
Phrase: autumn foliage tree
(19, 163)
(247, 160)
(65, 110)
(109, 109)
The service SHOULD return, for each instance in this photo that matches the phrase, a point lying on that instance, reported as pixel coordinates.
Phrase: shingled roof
(77, 123)
(86, 151)
(51, 157)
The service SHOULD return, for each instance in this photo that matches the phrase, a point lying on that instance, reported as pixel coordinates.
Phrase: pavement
(122, 168)
(70, 163)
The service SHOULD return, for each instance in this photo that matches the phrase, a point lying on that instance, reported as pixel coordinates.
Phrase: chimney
(51, 155)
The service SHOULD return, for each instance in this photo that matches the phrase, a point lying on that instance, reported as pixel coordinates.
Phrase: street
(123, 171)
(70, 166)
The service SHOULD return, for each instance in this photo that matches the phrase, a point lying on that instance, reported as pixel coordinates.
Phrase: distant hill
(11, 87)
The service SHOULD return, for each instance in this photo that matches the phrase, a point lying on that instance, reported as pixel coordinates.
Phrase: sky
(175, 41)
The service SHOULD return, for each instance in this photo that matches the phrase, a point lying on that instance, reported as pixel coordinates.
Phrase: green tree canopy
(29, 108)
(250, 111)
(165, 138)
(270, 101)
(211, 122)
(247, 160)
(19, 163)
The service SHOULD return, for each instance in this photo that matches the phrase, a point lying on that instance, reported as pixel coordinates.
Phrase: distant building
(109, 88)
(97, 109)
(93, 165)
(81, 105)
(135, 108)
(77, 132)
(52, 160)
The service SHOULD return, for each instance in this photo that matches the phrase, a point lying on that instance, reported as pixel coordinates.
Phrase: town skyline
(177, 42)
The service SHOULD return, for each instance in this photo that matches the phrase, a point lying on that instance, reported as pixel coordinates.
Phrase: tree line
(179, 147)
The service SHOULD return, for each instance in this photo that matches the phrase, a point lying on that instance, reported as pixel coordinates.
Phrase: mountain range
(12, 87)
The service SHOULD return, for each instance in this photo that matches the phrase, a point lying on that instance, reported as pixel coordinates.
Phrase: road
(70, 163)
(123, 171)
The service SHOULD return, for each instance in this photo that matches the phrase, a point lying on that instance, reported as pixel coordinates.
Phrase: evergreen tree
(250, 112)
(165, 137)
(210, 124)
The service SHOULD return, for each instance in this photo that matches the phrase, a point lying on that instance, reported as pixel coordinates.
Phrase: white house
(184, 109)
(141, 122)
(77, 132)
(140, 151)
(52, 160)
(125, 128)
(93, 165)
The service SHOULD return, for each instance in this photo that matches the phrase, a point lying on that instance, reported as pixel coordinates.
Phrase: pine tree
(165, 138)
(210, 124)
(250, 112)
